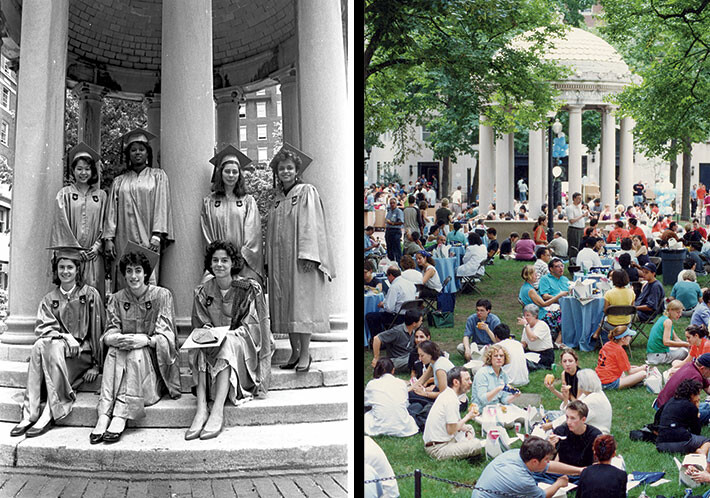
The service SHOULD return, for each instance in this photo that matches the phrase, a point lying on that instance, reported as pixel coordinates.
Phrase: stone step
(322, 373)
(294, 406)
(320, 351)
(155, 451)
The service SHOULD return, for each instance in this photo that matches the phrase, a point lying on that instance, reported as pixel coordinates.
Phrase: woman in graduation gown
(240, 367)
(69, 326)
(141, 362)
(138, 207)
(79, 215)
(298, 258)
(230, 214)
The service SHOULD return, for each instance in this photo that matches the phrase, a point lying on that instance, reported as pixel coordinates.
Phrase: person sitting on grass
(387, 395)
(696, 336)
(570, 367)
(602, 478)
(512, 473)
(491, 383)
(479, 328)
(529, 295)
(698, 370)
(613, 367)
(398, 341)
(592, 394)
(558, 245)
(662, 337)
(446, 434)
(688, 292)
(493, 244)
(679, 425)
(517, 368)
(438, 366)
(536, 338)
(415, 366)
(701, 315)
(508, 245)
(525, 248)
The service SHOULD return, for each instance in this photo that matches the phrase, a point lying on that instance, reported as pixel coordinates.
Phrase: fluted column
(324, 127)
(91, 98)
(227, 100)
(574, 171)
(503, 181)
(152, 103)
(607, 171)
(486, 165)
(289, 105)
(626, 162)
(187, 122)
(39, 147)
(535, 168)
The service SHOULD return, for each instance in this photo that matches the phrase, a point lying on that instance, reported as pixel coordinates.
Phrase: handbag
(441, 319)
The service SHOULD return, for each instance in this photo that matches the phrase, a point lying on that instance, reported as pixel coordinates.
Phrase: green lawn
(632, 408)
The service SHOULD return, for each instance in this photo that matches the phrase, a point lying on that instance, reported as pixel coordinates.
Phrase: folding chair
(606, 326)
(468, 284)
(572, 269)
(640, 325)
(636, 286)
(414, 304)
(486, 262)
(431, 302)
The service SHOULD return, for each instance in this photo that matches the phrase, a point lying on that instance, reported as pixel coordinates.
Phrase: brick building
(260, 131)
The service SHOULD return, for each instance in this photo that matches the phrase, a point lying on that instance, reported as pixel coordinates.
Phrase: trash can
(672, 262)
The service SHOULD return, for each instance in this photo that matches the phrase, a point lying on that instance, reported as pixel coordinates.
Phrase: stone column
(187, 124)
(152, 103)
(39, 148)
(325, 131)
(90, 100)
(486, 165)
(545, 161)
(626, 162)
(511, 169)
(535, 168)
(574, 172)
(503, 181)
(289, 105)
(227, 100)
(607, 180)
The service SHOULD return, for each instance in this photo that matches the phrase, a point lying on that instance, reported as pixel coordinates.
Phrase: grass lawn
(632, 408)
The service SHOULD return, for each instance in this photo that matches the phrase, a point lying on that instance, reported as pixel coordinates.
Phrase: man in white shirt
(400, 291)
(376, 467)
(456, 200)
(431, 196)
(588, 257)
(558, 245)
(517, 368)
(446, 434)
(576, 216)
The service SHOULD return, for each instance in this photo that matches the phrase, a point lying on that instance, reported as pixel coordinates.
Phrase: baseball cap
(650, 267)
(629, 332)
(704, 360)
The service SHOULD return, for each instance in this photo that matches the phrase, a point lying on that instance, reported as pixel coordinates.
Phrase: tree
(668, 45)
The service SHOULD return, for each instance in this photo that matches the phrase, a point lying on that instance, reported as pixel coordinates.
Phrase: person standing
(693, 200)
(394, 221)
(701, 194)
(576, 215)
(523, 189)
(639, 191)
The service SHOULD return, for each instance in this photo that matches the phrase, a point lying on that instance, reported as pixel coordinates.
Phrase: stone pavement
(19, 484)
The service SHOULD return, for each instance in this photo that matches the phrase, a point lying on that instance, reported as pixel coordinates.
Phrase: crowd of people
(440, 398)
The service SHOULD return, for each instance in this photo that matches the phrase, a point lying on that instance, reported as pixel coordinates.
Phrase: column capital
(285, 76)
(152, 100)
(232, 94)
(89, 91)
(575, 107)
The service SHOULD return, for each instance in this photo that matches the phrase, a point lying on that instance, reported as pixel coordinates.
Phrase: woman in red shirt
(539, 231)
(613, 367)
(697, 337)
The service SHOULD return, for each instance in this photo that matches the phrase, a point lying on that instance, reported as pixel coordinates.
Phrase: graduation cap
(229, 153)
(136, 135)
(67, 251)
(306, 160)
(82, 150)
(152, 256)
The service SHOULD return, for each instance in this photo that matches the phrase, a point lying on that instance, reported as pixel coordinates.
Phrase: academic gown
(138, 378)
(238, 222)
(297, 230)
(138, 206)
(78, 222)
(246, 349)
(80, 314)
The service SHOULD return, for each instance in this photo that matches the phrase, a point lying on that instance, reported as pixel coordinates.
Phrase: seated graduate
(141, 363)
(238, 369)
(69, 325)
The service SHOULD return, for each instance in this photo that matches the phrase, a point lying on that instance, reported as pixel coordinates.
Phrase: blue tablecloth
(579, 321)
(371, 301)
(446, 267)
(607, 261)
(458, 252)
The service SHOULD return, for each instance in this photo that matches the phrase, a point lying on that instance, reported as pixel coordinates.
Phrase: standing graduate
(298, 257)
(138, 208)
(230, 214)
(79, 215)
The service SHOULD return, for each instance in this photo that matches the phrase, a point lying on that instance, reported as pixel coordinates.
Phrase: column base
(20, 330)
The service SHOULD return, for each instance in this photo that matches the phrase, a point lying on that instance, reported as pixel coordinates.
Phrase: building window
(243, 110)
(3, 220)
(5, 65)
(278, 108)
(261, 157)
(5, 98)
(261, 132)
(242, 133)
(4, 132)
(261, 92)
(261, 109)
(426, 134)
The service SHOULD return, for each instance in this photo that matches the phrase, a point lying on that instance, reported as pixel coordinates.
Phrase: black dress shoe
(112, 437)
(38, 431)
(289, 366)
(19, 430)
(96, 438)
(307, 367)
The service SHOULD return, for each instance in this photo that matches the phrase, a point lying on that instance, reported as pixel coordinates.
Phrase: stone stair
(301, 424)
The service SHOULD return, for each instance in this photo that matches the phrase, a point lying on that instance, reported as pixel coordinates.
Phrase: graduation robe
(138, 206)
(248, 346)
(297, 230)
(238, 222)
(78, 222)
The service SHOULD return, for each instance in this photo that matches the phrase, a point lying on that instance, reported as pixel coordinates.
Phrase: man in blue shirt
(370, 243)
(479, 328)
(394, 220)
(554, 282)
(701, 315)
(512, 472)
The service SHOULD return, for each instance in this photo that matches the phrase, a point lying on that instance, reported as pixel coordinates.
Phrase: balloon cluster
(665, 193)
